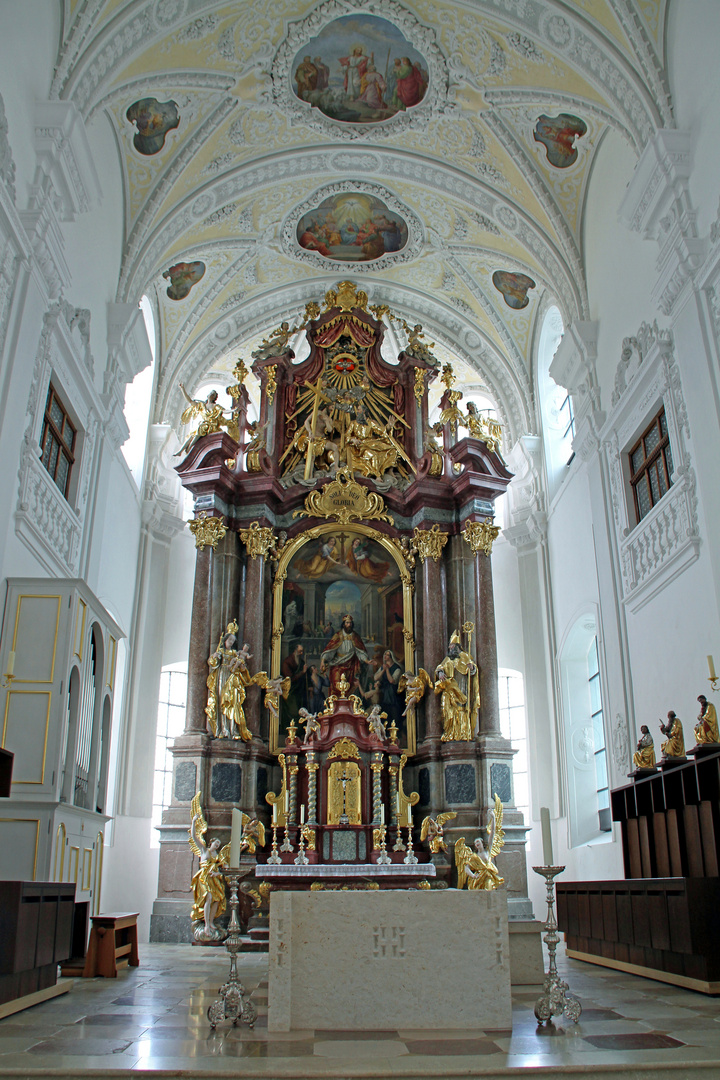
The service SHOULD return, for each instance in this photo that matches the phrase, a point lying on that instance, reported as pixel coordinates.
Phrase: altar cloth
(335, 870)
(389, 960)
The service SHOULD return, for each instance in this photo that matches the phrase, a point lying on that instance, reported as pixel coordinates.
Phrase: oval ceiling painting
(352, 227)
(360, 69)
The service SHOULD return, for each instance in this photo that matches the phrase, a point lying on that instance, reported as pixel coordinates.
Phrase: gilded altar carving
(206, 530)
(227, 685)
(346, 297)
(405, 802)
(345, 748)
(271, 384)
(429, 542)
(432, 830)
(372, 449)
(484, 428)
(343, 793)
(433, 447)
(259, 540)
(419, 388)
(346, 500)
(480, 535)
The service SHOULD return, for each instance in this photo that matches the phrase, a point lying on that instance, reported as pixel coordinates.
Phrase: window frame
(650, 461)
(51, 430)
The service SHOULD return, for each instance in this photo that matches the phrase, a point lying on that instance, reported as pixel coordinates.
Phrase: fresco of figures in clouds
(360, 69)
(352, 227)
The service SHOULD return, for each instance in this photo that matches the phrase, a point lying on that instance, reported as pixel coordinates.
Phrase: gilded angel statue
(273, 689)
(253, 834)
(207, 884)
(432, 831)
(414, 687)
(477, 868)
(212, 419)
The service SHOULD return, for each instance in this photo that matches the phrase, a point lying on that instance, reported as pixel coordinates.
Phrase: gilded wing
(201, 828)
(426, 680)
(499, 837)
(463, 854)
(196, 409)
(261, 834)
(224, 855)
(425, 827)
(442, 818)
(285, 687)
(260, 678)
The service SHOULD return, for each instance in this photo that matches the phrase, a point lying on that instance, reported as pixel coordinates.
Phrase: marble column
(201, 644)
(312, 770)
(486, 646)
(226, 578)
(435, 635)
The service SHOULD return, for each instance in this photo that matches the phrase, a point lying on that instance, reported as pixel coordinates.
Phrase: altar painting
(352, 227)
(359, 69)
(343, 617)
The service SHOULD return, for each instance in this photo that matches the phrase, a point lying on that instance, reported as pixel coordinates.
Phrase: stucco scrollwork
(437, 97)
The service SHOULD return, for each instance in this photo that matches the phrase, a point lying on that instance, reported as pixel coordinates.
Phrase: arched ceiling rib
(481, 193)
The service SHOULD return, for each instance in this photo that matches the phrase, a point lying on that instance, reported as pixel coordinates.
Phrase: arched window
(513, 725)
(138, 396)
(170, 724)
(558, 422)
(584, 732)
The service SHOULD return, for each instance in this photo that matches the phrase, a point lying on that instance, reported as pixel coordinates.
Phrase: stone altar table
(389, 959)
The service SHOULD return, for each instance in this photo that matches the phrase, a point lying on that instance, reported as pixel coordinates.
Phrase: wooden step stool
(113, 938)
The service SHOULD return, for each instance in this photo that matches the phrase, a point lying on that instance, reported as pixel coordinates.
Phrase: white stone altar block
(389, 959)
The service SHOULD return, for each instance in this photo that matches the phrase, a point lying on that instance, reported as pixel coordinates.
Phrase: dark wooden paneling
(35, 929)
(662, 923)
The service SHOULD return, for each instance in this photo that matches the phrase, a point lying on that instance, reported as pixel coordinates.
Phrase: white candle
(11, 663)
(711, 666)
(409, 815)
(382, 815)
(235, 835)
(287, 803)
(274, 817)
(546, 836)
(302, 814)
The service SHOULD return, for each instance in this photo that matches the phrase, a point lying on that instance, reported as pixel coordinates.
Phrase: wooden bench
(113, 938)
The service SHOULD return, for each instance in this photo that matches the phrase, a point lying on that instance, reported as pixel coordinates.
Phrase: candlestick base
(555, 998)
(232, 1003)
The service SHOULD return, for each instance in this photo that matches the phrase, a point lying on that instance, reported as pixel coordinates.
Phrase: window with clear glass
(171, 723)
(57, 443)
(651, 466)
(513, 724)
(598, 731)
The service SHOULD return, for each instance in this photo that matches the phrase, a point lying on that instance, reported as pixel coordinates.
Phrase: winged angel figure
(414, 687)
(208, 885)
(477, 868)
(432, 830)
(273, 689)
(211, 415)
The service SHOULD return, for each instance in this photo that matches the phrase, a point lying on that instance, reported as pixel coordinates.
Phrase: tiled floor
(153, 1018)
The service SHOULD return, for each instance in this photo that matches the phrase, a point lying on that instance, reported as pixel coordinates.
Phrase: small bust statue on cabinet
(674, 745)
(644, 756)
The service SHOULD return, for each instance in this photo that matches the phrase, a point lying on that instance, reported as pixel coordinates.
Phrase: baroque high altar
(342, 677)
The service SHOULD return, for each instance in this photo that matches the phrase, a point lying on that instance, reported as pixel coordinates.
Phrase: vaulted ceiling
(237, 150)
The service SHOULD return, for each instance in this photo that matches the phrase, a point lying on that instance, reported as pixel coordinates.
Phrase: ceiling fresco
(439, 152)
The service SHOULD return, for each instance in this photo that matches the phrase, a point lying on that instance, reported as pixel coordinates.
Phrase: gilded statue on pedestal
(432, 831)
(459, 709)
(706, 729)
(644, 756)
(213, 419)
(207, 884)
(674, 745)
(477, 868)
(227, 682)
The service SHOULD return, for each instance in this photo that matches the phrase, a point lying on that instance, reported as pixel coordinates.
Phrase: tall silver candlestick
(232, 1004)
(555, 998)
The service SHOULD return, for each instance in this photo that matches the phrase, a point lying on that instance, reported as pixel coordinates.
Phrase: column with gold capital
(207, 532)
(480, 536)
(259, 542)
(376, 767)
(429, 544)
